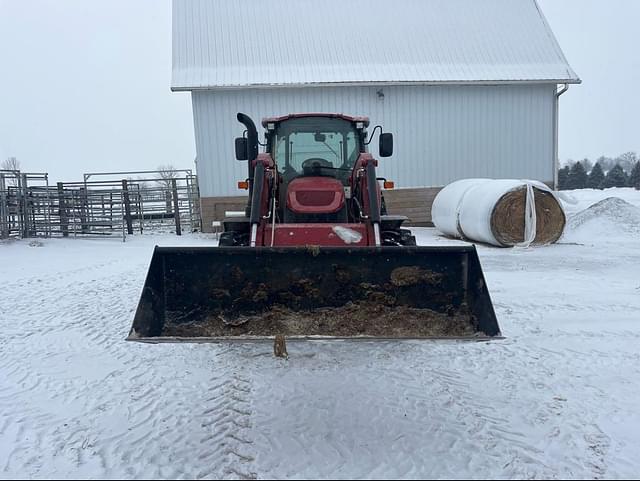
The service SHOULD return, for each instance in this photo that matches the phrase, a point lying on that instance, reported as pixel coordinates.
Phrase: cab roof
(348, 118)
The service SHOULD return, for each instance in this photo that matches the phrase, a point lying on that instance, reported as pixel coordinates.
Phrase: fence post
(127, 206)
(188, 187)
(84, 208)
(62, 212)
(176, 209)
(167, 200)
(22, 206)
(48, 208)
(4, 209)
(139, 208)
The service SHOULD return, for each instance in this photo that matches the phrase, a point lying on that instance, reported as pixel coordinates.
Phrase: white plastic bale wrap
(444, 211)
(464, 209)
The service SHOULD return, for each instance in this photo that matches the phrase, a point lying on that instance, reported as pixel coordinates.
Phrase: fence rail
(31, 207)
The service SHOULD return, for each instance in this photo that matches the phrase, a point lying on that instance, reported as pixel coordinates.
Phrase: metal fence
(30, 207)
(24, 204)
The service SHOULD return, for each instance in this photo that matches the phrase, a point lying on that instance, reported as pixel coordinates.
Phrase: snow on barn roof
(242, 43)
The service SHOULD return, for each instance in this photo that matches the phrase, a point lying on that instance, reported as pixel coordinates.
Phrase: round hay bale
(508, 217)
(493, 211)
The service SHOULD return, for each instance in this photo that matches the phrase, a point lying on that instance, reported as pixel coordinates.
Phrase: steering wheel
(316, 163)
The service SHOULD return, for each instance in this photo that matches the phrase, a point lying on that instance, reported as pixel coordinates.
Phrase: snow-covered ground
(558, 398)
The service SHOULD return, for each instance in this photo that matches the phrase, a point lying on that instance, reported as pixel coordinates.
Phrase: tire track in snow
(228, 418)
(467, 402)
(77, 401)
(120, 409)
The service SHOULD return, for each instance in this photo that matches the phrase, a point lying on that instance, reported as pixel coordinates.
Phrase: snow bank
(611, 218)
(575, 201)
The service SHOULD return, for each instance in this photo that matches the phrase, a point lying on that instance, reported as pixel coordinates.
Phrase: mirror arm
(367, 142)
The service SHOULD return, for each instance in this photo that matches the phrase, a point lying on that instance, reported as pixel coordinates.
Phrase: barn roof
(242, 43)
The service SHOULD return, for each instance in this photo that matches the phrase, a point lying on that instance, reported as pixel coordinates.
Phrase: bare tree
(605, 162)
(167, 174)
(627, 160)
(10, 163)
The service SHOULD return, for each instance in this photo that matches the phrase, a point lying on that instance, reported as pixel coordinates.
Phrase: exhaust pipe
(252, 152)
(252, 140)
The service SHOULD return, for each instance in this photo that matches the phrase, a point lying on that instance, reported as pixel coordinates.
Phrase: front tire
(398, 238)
(408, 239)
(233, 239)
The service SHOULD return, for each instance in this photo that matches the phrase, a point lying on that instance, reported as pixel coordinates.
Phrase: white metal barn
(469, 88)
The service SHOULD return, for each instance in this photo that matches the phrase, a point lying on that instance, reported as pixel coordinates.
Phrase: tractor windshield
(316, 146)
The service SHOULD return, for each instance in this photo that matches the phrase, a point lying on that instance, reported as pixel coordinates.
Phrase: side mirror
(385, 147)
(242, 148)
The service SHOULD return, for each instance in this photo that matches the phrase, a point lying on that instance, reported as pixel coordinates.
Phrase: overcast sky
(84, 84)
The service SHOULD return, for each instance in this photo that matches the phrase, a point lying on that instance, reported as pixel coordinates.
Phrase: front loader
(316, 255)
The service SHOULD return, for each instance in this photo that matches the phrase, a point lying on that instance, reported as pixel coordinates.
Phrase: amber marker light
(243, 184)
(388, 184)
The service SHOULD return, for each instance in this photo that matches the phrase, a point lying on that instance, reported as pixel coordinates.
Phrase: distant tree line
(623, 171)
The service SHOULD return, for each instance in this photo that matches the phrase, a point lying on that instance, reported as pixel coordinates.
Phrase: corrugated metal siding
(442, 133)
(231, 43)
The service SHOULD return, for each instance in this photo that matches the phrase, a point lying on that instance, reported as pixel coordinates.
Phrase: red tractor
(315, 255)
(315, 184)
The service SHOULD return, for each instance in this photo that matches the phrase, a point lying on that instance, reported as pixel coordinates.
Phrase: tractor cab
(315, 155)
(315, 145)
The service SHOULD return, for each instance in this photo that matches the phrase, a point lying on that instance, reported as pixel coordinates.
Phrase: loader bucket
(206, 294)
